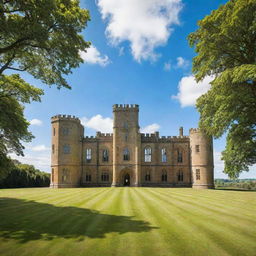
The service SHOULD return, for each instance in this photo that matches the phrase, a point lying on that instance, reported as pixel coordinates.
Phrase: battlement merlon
(194, 130)
(125, 107)
(100, 135)
(65, 118)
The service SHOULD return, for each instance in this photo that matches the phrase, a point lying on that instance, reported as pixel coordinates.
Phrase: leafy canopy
(226, 46)
(41, 37)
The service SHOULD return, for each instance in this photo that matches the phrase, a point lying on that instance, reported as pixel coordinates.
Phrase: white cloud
(150, 128)
(98, 123)
(167, 66)
(93, 56)
(146, 24)
(190, 90)
(41, 161)
(182, 63)
(36, 122)
(39, 148)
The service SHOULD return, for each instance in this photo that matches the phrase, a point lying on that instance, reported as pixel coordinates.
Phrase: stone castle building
(128, 157)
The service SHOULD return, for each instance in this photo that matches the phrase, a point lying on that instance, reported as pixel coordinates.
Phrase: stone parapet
(65, 118)
(125, 107)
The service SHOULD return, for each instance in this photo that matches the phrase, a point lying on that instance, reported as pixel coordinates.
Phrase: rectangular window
(53, 148)
(197, 174)
(147, 154)
(65, 131)
(88, 177)
(105, 155)
(88, 155)
(105, 176)
(179, 157)
(197, 148)
(164, 155)
(66, 149)
(53, 131)
(65, 175)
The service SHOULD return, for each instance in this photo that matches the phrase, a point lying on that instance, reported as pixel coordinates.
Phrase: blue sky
(140, 55)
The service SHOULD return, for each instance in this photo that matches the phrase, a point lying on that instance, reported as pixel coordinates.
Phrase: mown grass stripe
(213, 227)
(127, 221)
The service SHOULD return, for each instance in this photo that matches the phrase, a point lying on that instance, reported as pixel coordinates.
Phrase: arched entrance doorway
(127, 180)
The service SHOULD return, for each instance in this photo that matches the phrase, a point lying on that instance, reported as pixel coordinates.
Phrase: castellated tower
(201, 159)
(67, 134)
(126, 145)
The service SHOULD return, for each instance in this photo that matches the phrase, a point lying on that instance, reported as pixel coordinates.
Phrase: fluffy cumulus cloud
(36, 122)
(93, 56)
(190, 90)
(182, 63)
(146, 24)
(98, 123)
(150, 128)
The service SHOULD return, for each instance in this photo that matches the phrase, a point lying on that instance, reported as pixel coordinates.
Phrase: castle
(128, 157)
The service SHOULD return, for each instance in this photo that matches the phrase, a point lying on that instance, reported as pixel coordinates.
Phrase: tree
(226, 46)
(24, 175)
(41, 37)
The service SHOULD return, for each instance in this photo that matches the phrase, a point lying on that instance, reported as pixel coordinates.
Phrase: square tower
(126, 145)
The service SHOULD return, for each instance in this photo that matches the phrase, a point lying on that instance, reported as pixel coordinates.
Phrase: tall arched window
(180, 175)
(164, 175)
(147, 176)
(126, 155)
(88, 155)
(163, 155)
(105, 155)
(147, 154)
(180, 156)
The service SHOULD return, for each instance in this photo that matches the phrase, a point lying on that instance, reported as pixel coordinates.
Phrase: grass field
(127, 221)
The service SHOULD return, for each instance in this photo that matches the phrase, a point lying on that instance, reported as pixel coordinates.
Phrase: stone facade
(128, 157)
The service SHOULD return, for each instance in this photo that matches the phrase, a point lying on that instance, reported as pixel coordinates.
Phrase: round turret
(67, 134)
(201, 159)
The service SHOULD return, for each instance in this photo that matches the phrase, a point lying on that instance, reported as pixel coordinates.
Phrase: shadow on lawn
(29, 220)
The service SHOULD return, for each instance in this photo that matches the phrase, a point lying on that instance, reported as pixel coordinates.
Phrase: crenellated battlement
(101, 135)
(154, 137)
(65, 118)
(125, 107)
(194, 130)
(89, 139)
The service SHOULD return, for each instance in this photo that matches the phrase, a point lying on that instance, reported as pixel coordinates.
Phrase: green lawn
(127, 221)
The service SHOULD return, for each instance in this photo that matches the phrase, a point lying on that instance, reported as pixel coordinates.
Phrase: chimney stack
(181, 131)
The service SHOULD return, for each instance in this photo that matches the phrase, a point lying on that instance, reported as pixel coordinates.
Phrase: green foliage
(226, 47)
(239, 184)
(127, 221)
(13, 126)
(24, 175)
(41, 37)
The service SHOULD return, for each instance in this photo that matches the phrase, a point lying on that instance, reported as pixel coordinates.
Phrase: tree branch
(17, 43)
(17, 69)
(5, 66)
